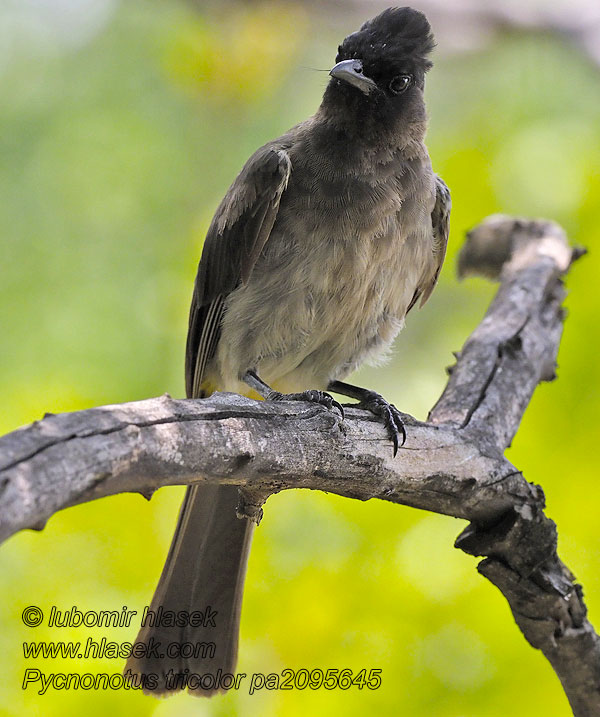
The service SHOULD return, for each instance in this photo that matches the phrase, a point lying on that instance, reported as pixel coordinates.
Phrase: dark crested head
(397, 34)
(385, 61)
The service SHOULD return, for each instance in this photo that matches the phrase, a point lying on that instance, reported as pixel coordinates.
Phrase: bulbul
(329, 235)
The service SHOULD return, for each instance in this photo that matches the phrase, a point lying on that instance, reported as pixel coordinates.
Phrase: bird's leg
(252, 379)
(377, 405)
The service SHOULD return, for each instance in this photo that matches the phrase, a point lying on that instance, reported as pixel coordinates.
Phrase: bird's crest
(396, 32)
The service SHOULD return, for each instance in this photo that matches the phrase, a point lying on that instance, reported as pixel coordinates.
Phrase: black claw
(399, 423)
(395, 442)
(390, 416)
(340, 408)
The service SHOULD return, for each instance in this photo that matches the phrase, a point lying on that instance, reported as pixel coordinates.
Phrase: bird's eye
(399, 84)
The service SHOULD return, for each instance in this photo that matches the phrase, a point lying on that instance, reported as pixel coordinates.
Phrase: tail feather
(204, 572)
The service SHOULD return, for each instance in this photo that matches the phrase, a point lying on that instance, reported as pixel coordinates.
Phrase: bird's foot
(390, 415)
(312, 396)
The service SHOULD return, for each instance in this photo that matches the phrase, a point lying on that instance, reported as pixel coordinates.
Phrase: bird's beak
(351, 71)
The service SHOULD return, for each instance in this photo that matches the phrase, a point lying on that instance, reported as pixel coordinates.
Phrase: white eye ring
(400, 84)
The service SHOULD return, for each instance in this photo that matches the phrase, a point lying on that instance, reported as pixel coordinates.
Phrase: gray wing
(440, 220)
(237, 234)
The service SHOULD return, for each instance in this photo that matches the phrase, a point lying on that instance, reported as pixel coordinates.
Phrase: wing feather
(238, 233)
(440, 220)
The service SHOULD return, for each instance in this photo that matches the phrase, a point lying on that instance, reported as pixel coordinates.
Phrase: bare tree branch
(452, 464)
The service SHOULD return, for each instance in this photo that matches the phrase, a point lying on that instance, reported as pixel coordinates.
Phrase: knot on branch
(502, 244)
(251, 501)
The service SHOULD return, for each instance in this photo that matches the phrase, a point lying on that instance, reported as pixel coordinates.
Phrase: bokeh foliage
(115, 152)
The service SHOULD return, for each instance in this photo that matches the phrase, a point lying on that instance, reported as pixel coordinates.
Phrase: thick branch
(264, 446)
(515, 346)
(452, 464)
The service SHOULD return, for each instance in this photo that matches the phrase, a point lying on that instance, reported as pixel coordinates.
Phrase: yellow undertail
(208, 387)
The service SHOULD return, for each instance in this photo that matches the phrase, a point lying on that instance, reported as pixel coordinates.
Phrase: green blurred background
(121, 126)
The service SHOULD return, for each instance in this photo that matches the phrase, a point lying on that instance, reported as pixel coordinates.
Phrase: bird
(326, 239)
